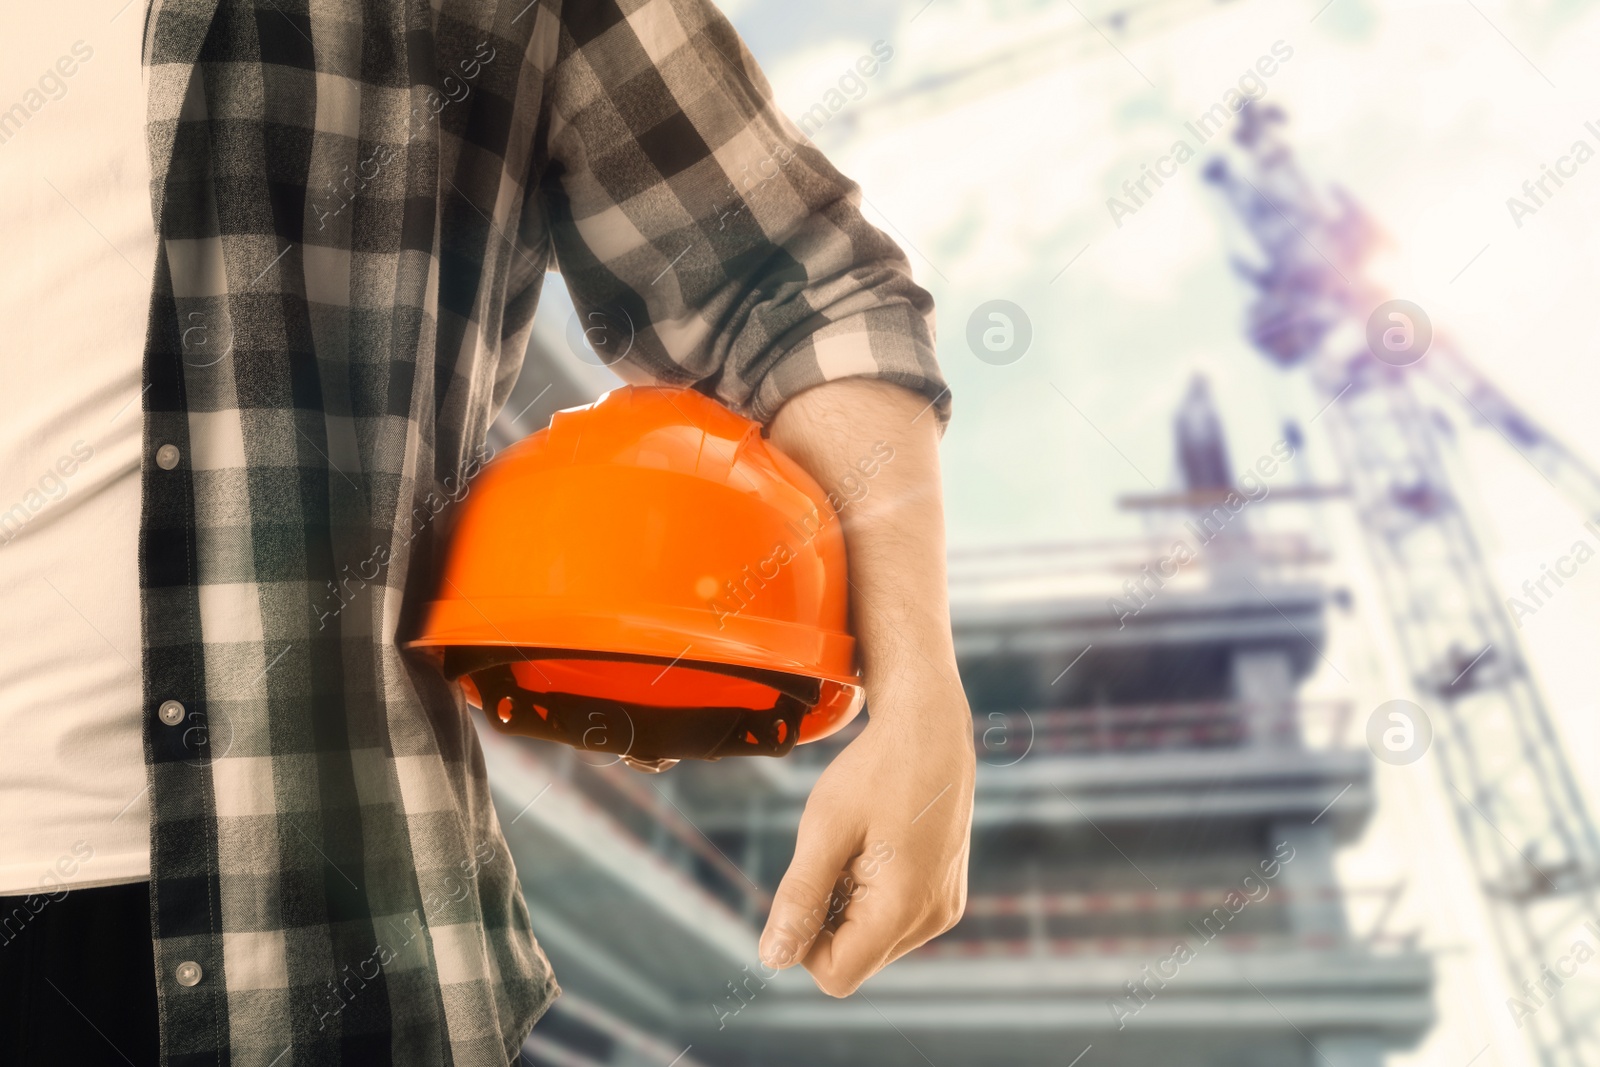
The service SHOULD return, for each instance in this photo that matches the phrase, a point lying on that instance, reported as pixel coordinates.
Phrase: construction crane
(1531, 841)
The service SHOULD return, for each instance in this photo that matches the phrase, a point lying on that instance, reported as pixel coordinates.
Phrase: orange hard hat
(648, 576)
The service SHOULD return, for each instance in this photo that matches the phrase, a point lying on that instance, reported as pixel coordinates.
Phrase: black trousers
(77, 979)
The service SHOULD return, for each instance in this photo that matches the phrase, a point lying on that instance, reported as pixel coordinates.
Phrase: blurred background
(1270, 330)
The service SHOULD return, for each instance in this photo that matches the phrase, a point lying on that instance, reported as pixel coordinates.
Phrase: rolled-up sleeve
(704, 240)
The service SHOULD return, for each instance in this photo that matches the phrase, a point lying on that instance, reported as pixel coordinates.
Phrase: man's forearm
(903, 788)
(893, 520)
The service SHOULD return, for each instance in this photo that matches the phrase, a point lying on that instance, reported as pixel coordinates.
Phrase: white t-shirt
(75, 284)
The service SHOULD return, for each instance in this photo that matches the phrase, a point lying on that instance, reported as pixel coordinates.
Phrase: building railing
(1176, 725)
(1143, 728)
(1124, 922)
(1130, 902)
(1259, 944)
(1098, 568)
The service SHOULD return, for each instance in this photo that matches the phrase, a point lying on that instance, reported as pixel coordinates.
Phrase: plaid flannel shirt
(357, 201)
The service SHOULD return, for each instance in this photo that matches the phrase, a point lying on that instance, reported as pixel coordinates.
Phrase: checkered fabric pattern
(357, 202)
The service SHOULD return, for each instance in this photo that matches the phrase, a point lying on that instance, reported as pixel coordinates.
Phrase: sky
(1424, 111)
(1431, 115)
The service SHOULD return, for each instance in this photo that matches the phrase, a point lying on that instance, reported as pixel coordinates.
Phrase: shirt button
(171, 712)
(167, 457)
(188, 973)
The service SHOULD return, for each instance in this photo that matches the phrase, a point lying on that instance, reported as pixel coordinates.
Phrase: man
(247, 345)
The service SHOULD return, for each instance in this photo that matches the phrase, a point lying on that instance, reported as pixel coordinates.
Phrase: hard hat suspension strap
(641, 731)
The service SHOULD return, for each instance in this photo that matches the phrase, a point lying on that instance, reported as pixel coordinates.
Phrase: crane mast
(1484, 402)
(1528, 834)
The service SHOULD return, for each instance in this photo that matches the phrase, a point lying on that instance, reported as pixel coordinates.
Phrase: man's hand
(881, 862)
(880, 865)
